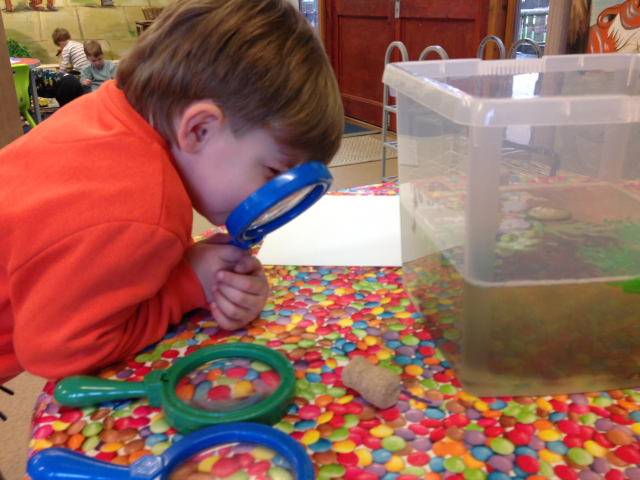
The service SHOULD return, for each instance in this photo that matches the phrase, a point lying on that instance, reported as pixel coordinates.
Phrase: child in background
(98, 70)
(96, 255)
(48, 82)
(72, 52)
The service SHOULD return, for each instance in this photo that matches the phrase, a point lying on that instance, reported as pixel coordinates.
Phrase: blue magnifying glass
(238, 451)
(277, 202)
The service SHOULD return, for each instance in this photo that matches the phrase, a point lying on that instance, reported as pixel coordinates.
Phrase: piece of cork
(377, 385)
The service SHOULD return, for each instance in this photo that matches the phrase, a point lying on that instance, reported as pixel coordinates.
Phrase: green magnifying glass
(214, 385)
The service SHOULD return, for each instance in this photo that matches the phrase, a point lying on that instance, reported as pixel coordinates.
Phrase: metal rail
(389, 109)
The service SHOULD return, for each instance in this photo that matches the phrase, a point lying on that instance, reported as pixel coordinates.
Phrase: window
(309, 9)
(531, 23)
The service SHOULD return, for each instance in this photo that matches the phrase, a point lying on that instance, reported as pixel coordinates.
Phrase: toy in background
(604, 26)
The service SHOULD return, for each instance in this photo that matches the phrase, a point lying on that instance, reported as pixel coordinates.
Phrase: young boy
(98, 70)
(48, 82)
(96, 258)
(72, 52)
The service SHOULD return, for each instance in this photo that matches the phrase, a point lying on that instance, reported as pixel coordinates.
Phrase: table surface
(319, 317)
(32, 62)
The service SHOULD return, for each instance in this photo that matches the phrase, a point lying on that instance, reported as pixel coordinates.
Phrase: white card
(339, 231)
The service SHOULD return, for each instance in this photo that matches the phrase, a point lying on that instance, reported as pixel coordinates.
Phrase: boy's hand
(87, 81)
(210, 256)
(233, 281)
(241, 294)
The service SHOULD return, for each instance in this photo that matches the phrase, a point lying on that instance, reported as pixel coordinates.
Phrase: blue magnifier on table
(247, 451)
(278, 202)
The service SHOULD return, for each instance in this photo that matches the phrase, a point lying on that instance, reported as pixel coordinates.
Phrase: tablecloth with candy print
(320, 317)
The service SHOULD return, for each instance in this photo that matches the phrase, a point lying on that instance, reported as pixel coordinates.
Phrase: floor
(14, 433)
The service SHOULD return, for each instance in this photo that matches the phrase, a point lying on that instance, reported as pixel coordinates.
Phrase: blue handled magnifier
(279, 201)
(245, 451)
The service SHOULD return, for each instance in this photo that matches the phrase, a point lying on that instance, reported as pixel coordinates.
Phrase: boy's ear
(199, 122)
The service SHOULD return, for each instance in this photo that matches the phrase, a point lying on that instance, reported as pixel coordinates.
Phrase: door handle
(397, 8)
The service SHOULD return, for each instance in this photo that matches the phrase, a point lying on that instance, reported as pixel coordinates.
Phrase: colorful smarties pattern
(235, 461)
(228, 384)
(319, 318)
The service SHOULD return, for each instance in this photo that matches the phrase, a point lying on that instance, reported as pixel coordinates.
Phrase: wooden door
(359, 32)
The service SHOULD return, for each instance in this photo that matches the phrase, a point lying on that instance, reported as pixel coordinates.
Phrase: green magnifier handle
(82, 391)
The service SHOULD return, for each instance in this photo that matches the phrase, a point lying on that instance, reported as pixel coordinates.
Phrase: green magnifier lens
(214, 385)
(237, 460)
(228, 384)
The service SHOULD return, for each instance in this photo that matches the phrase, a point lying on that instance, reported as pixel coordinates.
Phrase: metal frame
(388, 109)
(491, 38)
(434, 48)
(513, 51)
(34, 92)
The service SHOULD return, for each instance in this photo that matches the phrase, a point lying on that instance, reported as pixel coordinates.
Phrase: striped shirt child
(73, 52)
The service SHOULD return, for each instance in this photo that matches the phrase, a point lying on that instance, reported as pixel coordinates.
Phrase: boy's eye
(274, 171)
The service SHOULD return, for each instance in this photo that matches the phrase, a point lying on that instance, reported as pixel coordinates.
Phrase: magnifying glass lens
(283, 206)
(235, 461)
(228, 384)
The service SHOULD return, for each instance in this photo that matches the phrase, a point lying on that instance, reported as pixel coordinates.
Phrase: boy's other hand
(210, 256)
(87, 81)
(241, 294)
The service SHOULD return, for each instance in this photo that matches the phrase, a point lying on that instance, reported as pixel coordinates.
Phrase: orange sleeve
(98, 296)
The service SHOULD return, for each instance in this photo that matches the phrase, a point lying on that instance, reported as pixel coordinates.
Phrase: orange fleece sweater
(94, 222)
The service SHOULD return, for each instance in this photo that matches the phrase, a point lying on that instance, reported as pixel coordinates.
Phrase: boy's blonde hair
(60, 35)
(92, 48)
(259, 60)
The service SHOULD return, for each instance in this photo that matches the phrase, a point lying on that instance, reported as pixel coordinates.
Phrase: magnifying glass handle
(64, 464)
(81, 391)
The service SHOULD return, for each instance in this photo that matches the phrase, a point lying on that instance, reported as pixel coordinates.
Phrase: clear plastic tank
(520, 214)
